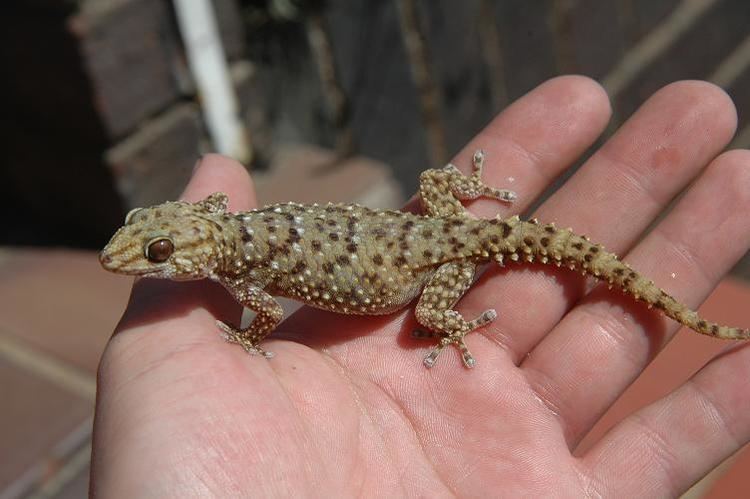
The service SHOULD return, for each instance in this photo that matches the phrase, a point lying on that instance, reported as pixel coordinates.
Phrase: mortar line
(658, 40)
(733, 65)
(47, 367)
(741, 139)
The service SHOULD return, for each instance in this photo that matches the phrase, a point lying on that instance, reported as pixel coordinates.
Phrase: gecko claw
(469, 361)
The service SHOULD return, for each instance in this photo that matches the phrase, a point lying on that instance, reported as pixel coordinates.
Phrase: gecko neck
(228, 256)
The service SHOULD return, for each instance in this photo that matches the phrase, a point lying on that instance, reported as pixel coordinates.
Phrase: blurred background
(109, 104)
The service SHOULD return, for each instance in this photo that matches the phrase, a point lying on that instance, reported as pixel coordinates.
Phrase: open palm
(346, 405)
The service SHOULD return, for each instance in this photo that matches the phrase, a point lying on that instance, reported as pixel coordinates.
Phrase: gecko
(350, 259)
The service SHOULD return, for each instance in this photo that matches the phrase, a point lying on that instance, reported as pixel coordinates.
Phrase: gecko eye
(159, 250)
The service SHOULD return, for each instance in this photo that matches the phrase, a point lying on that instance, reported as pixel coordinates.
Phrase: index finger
(214, 172)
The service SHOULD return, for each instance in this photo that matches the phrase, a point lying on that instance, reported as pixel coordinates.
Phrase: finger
(528, 145)
(687, 254)
(535, 139)
(213, 173)
(672, 443)
(153, 300)
(613, 197)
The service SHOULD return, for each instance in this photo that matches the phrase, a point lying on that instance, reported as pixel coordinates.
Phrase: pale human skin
(346, 405)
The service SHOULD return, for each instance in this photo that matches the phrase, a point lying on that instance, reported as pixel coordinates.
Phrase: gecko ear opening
(215, 203)
(130, 215)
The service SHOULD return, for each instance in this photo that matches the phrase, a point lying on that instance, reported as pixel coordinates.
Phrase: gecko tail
(562, 247)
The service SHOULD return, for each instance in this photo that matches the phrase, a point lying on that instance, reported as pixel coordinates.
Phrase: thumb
(213, 173)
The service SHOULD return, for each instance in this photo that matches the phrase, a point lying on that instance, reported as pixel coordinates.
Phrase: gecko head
(175, 240)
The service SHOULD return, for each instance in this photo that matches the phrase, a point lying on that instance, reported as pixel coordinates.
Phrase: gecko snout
(105, 259)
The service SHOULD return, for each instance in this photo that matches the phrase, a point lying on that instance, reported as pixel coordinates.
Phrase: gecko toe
(236, 336)
(454, 339)
(228, 333)
(431, 358)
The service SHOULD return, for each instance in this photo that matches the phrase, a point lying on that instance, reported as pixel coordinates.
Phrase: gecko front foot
(244, 338)
(456, 338)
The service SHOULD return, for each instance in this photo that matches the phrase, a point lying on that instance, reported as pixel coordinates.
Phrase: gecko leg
(268, 314)
(435, 311)
(443, 190)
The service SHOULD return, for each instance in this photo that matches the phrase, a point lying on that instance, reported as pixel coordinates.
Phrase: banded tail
(546, 243)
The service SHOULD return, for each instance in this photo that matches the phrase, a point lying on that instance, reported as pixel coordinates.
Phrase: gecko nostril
(104, 258)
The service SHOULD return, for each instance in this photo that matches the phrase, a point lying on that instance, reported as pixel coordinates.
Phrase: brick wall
(103, 112)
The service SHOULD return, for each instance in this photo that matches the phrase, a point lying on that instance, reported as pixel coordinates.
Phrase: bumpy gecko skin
(355, 260)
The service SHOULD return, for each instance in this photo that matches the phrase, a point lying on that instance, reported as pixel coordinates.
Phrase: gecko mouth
(108, 262)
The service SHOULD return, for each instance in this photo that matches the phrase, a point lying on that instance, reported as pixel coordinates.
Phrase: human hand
(346, 405)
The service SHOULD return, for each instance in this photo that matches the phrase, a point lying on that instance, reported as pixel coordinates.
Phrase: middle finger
(613, 198)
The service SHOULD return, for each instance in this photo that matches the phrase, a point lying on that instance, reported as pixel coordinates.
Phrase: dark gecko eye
(159, 250)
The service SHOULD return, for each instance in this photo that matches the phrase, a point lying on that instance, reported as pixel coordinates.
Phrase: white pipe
(208, 65)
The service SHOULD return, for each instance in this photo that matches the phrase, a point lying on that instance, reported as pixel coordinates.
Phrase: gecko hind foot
(453, 339)
(456, 339)
(234, 335)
